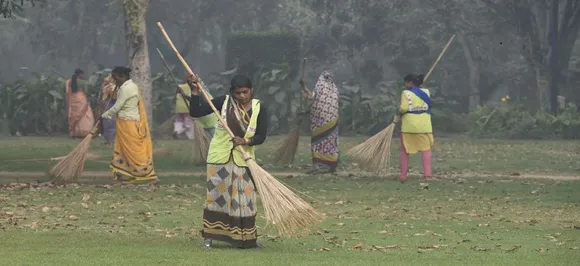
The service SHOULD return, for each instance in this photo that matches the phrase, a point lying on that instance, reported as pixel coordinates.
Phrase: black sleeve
(199, 108)
(262, 128)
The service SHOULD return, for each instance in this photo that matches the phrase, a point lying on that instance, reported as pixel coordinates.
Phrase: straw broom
(284, 209)
(200, 138)
(70, 168)
(287, 152)
(374, 154)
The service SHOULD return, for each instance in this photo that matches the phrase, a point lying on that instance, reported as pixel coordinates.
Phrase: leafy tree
(9, 7)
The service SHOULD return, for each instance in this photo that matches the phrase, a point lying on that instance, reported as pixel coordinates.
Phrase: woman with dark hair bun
(416, 129)
(230, 209)
(132, 161)
(80, 113)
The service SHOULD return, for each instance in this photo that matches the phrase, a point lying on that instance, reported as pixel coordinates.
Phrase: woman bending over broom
(230, 209)
(132, 161)
(324, 125)
(416, 129)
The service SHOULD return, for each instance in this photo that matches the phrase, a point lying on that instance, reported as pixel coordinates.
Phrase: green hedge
(516, 122)
(253, 50)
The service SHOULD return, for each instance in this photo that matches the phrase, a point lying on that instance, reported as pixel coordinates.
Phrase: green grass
(451, 155)
(371, 220)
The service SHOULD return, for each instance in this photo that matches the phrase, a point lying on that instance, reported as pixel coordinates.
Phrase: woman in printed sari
(416, 129)
(132, 161)
(80, 114)
(108, 98)
(324, 125)
(230, 209)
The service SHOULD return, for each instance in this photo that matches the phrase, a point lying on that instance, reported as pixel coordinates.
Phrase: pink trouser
(425, 158)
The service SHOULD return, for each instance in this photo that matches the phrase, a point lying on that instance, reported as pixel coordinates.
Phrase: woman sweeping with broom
(133, 150)
(230, 210)
(324, 115)
(416, 129)
(109, 96)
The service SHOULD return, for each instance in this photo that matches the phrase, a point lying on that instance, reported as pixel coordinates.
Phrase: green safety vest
(222, 147)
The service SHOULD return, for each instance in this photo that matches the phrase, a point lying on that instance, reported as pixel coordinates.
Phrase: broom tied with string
(287, 152)
(284, 209)
(200, 139)
(374, 154)
(69, 168)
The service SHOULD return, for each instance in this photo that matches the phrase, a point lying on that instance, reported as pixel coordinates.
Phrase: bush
(252, 51)
(516, 122)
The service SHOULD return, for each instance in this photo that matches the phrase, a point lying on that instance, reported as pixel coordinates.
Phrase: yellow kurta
(416, 129)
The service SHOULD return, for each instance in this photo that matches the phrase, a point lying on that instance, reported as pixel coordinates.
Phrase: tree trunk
(474, 74)
(137, 50)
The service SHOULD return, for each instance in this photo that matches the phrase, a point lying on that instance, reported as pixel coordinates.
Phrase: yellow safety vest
(415, 123)
(222, 147)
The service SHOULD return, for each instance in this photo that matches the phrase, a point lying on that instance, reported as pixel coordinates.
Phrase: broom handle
(439, 58)
(302, 82)
(201, 88)
(172, 76)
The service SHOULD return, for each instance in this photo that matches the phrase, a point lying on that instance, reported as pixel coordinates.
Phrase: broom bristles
(285, 210)
(70, 168)
(287, 152)
(200, 144)
(167, 126)
(374, 154)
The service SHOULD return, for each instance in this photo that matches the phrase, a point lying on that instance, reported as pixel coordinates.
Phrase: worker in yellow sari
(416, 129)
(80, 114)
(133, 150)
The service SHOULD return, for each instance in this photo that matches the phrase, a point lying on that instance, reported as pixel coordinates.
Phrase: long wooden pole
(201, 88)
(439, 58)
(172, 76)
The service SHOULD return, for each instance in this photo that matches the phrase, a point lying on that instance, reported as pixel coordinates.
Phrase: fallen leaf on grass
(475, 248)
(86, 197)
(74, 218)
(340, 224)
(45, 209)
(340, 202)
(170, 234)
(428, 248)
(542, 250)
(34, 225)
(359, 246)
(512, 249)
(483, 225)
(383, 232)
(86, 206)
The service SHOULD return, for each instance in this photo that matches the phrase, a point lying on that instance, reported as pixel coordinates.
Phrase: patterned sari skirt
(230, 210)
